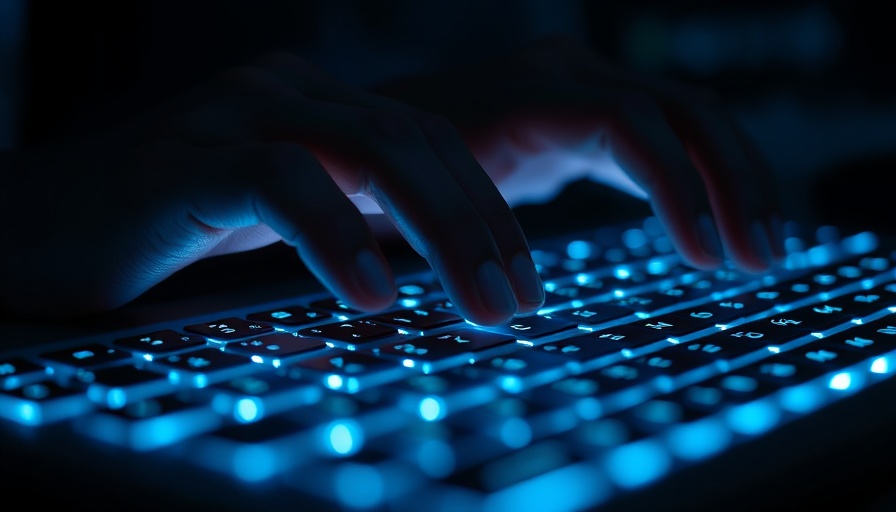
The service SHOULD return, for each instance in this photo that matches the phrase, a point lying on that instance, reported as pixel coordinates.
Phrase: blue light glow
(435, 458)
(116, 399)
(360, 485)
(344, 437)
(657, 267)
(578, 250)
(515, 433)
(622, 272)
(247, 410)
(880, 365)
(431, 408)
(511, 384)
(634, 238)
(333, 381)
(801, 399)
(638, 463)
(254, 463)
(698, 440)
(753, 418)
(841, 381)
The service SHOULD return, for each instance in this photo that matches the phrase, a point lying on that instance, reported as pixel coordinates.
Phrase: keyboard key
(252, 397)
(350, 333)
(117, 386)
(42, 403)
(18, 371)
(592, 314)
(453, 347)
(272, 348)
(348, 371)
(202, 367)
(227, 329)
(87, 356)
(532, 327)
(523, 369)
(290, 316)
(152, 423)
(158, 342)
(335, 306)
(417, 320)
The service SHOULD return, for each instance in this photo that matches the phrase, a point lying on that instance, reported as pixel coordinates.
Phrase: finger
(738, 181)
(284, 187)
(449, 147)
(462, 226)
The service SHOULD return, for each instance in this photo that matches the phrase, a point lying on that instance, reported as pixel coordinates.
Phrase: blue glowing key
(202, 367)
(152, 423)
(290, 316)
(44, 402)
(18, 371)
(231, 328)
(532, 327)
(118, 386)
(86, 356)
(158, 342)
(272, 348)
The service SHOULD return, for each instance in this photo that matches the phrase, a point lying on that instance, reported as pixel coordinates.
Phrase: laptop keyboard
(637, 366)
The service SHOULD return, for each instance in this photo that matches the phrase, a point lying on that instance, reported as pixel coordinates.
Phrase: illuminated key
(159, 342)
(202, 367)
(18, 371)
(231, 328)
(272, 348)
(43, 402)
(291, 316)
(87, 356)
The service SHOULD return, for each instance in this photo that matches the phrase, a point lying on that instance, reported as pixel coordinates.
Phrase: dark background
(813, 82)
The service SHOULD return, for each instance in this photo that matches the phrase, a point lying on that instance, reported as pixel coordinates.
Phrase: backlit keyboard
(637, 368)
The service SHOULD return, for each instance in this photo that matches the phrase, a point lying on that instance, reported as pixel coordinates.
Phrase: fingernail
(495, 290)
(760, 241)
(373, 275)
(709, 237)
(526, 278)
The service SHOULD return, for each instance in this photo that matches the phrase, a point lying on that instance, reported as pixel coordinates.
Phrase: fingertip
(374, 280)
(526, 283)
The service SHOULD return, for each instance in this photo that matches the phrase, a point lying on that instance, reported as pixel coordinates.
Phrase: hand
(556, 112)
(261, 153)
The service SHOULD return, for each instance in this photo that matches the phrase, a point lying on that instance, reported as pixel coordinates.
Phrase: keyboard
(638, 373)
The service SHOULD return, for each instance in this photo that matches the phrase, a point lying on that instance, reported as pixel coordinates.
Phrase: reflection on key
(86, 356)
(227, 329)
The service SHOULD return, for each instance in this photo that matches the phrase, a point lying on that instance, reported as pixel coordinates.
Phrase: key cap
(202, 367)
(227, 329)
(42, 403)
(250, 398)
(532, 327)
(522, 369)
(273, 348)
(592, 314)
(152, 423)
(86, 356)
(437, 351)
(335, 306)
(18, 371)
(417, 320)
(349, 334)
(348, 371)
(159, 342)
(290, 316)
(117, 386)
